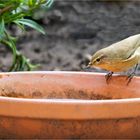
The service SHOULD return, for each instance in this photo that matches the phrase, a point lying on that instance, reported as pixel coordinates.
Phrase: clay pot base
(68, 105)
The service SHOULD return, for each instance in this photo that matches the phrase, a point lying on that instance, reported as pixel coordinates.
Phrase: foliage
(16, 12)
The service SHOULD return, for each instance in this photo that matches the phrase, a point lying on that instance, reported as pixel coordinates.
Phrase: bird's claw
(108, 77)
(130, 77)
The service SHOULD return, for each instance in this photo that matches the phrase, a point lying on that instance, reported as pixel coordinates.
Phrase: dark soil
(76, 29)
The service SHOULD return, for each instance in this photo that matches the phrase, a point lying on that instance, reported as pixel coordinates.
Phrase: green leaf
(31, 3)
(21, 26)
(14, 11)
(2, 28)
(31, 24)
(49, 3)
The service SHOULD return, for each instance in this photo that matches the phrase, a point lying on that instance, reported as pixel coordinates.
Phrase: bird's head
(99, 59)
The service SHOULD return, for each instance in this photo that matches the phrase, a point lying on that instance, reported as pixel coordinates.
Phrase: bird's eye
(98, 59)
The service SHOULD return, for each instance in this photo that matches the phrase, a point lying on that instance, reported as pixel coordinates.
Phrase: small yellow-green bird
(118, 57)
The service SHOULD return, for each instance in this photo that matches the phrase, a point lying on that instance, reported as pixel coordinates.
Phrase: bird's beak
(88, 67)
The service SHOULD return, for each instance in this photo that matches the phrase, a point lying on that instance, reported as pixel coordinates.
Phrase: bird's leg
(108, 76)
(130, 76)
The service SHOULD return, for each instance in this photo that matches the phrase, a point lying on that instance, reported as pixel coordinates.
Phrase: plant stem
(5, 9)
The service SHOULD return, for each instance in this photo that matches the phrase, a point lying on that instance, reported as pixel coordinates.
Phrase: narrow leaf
(2, 28)
(31, 24)
(21, 26)
(49, 3)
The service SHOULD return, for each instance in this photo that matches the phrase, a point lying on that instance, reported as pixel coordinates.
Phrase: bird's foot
(130, 77)
(108, 76)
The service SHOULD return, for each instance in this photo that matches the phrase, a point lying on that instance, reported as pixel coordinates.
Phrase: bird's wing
(135, 58)
(126, 48)
(137, 54)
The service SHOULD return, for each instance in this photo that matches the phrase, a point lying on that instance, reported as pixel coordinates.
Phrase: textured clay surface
(36, 128)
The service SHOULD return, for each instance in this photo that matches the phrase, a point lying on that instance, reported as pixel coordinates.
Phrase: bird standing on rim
(118, 57)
